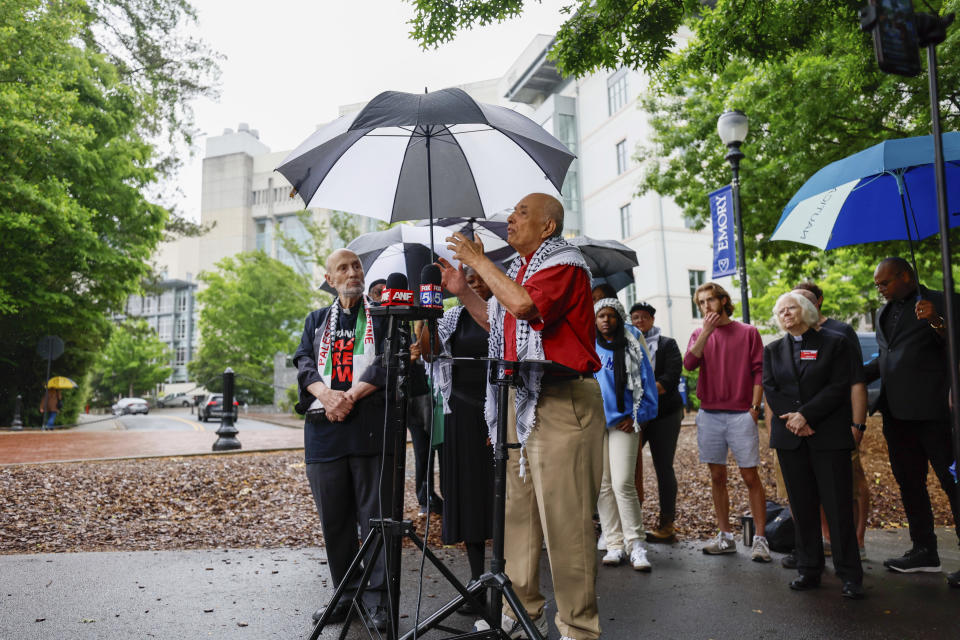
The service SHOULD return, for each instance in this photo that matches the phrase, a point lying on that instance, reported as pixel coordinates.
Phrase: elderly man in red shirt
(542, 309)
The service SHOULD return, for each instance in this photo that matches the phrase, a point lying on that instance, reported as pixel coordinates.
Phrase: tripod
(504, 374)
(387, 534)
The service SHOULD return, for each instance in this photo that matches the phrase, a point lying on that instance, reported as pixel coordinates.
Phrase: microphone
(396, 292)
(431, 295)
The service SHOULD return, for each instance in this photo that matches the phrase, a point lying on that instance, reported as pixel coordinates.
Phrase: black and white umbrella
(435, 155)
(491, 231)
(402, 249)
(610, 261)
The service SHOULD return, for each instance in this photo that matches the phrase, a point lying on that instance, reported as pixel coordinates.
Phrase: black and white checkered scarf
(553, 252)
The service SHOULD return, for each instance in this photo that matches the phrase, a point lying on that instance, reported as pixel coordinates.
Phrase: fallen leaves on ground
(262, 500)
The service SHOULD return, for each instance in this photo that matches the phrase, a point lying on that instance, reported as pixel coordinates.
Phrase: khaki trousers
(555, 502)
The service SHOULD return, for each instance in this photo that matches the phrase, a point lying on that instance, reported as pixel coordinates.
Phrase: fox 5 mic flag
(721, 218)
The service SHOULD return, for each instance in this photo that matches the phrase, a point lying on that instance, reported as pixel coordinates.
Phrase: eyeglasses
(882, 284)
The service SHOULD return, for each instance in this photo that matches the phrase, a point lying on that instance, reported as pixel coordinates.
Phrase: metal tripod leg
(374, 538)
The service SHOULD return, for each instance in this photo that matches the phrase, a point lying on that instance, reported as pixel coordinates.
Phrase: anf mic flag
(721, 218)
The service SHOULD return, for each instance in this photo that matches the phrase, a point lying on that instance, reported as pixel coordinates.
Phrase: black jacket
(669, 364)
(912, 365)
(819, 389)
(305, 358)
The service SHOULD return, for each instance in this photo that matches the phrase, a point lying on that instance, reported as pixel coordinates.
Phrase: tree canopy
(252, 308)
(133, 362)
(803, 72)
(85, 89)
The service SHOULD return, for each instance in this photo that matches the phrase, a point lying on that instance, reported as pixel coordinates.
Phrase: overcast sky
(289, 64)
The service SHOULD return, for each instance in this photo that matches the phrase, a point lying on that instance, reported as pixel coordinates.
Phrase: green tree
(85, 89)
(133, 362)
(803, 72)
(252, 308)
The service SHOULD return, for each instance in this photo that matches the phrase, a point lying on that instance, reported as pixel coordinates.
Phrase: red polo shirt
(567, 323)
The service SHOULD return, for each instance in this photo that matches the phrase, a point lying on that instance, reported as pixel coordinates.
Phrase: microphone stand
(388, 533)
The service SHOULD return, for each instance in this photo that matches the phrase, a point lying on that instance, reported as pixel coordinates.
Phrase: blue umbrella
(885, 192)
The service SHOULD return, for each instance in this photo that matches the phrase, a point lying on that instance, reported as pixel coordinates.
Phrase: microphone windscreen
(430, 274)
(396, 281)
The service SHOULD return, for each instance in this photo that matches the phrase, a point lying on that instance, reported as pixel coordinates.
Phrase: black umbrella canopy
(434, 155)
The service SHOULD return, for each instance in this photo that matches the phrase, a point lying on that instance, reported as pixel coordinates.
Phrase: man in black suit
(914, 374)
(663, 431)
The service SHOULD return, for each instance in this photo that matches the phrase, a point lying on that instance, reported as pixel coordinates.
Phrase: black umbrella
(606, 258)
(424, 156)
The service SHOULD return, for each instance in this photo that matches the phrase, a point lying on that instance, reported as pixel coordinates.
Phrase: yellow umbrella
(59, 382)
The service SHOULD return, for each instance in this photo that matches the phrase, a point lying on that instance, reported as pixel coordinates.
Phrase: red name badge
(808, 354)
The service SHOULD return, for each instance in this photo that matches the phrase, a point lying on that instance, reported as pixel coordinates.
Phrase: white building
(598, 117)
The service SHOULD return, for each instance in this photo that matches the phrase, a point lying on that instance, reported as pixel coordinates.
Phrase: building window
(697, 278)
(147, 305)
(631, 294)
(616, 91)
(181, 357)
(165, 328)
(181, 331)
(166, 302)
(264, 239)
(182, 300)
(621, 156)
(626, 229)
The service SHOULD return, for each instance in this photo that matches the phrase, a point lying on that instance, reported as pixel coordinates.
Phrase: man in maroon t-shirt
(560, 424)
(729, 355)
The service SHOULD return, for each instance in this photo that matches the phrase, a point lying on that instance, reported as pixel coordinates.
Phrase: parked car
(174, 400)
(870, 351)
(125, 406)
(212, 407)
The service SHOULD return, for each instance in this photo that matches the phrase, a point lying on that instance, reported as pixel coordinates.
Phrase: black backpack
(780, 530)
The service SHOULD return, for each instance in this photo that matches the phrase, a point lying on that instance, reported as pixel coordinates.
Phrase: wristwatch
(859, 426)
(757, 407)
(940, 324)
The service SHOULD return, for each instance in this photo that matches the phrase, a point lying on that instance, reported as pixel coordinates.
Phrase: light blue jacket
(648, 405)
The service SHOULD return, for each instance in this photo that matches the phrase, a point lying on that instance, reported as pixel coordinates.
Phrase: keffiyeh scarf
(364, 348)
(629, 377)
(554, 252)
(443, 369)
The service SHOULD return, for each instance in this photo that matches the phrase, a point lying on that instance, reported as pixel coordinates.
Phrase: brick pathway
(20, 447)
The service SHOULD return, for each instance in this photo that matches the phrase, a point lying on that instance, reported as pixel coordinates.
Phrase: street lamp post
(732, 127)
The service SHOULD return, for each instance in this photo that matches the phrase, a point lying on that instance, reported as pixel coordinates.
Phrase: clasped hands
(337, 404)
(797, 424)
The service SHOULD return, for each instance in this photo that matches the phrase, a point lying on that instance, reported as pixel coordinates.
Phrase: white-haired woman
(806, 381)
(629, 391)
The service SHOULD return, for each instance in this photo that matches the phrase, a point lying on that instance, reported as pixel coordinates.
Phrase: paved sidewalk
(18, 447)
(270, 593)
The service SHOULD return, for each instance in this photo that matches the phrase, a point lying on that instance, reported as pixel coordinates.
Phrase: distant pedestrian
(51, 402)
(729, 355)
(914, 374)
(663, 431)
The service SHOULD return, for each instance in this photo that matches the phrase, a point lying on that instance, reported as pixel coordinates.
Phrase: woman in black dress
(466, 477)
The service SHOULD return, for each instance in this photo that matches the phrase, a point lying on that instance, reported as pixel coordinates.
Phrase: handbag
(780, 530)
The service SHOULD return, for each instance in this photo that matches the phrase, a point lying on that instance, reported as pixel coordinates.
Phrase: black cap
(643, 306)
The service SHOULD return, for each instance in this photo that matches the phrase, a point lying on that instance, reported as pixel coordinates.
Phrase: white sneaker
(614, 557)
(513, 628)
(601, 543)
(761, 550)
(638, 557)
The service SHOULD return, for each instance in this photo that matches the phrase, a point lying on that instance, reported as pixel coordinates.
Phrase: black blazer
(912, 366)
(819, 389)
(666, 370)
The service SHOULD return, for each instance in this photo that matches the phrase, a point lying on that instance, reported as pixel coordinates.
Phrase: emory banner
(721, 218)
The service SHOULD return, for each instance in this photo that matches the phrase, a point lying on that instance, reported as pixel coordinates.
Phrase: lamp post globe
(732, 126)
